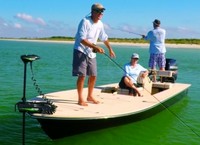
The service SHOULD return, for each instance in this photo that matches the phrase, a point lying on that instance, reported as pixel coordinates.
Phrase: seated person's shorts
(122, 85)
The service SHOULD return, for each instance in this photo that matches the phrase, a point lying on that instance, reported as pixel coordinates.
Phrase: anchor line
(165, 107)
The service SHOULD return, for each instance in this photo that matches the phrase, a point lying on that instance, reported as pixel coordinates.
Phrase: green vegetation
(183, 41)
(122, 40)
(57, 38)
(129, 40)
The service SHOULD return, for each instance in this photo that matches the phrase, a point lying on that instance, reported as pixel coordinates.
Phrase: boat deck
(111, 104)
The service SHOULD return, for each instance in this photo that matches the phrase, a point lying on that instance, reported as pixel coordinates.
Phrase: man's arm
(112, 53)
(92, 46)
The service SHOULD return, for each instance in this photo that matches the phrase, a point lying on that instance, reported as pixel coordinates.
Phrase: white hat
(135, 55)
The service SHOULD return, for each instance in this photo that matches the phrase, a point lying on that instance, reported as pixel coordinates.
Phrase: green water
(179, 126)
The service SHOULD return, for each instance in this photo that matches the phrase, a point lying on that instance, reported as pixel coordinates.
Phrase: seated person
(131, 72)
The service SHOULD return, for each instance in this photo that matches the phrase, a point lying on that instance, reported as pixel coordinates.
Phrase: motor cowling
(171, 65)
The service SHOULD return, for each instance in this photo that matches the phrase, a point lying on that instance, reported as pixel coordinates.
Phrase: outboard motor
(171, 65)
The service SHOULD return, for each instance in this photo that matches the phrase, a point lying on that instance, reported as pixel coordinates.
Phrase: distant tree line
(123, 40)
(130, 40)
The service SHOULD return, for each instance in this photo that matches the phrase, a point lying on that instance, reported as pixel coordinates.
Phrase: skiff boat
(60, 115)
(116, 107)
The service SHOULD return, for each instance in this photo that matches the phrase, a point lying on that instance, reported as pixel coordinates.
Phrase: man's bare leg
(80, 85)
(162, 69)
(91, 84)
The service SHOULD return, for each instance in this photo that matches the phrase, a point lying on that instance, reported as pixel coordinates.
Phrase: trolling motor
(45, 106)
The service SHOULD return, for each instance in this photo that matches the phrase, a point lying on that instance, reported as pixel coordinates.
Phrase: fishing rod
(157, 100)
(115, 62)
(132, 32)
(127, 31)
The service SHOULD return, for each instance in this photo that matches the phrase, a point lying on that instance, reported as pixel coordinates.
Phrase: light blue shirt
(157, 40)
(133, 73)
(91, 31)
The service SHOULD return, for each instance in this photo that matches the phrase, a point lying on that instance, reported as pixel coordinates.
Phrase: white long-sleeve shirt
(157, 40)
(91, 31)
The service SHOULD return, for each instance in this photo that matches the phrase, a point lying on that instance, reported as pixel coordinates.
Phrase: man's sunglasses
(98, 11)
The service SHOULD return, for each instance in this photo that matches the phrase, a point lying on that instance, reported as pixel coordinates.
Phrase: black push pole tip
(29, 58)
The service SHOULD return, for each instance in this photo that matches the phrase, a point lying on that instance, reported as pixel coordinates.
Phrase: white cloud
(182, 32)
(17, 25)
(182, 28)
(107, 26)
(5, 24)
(30, 19)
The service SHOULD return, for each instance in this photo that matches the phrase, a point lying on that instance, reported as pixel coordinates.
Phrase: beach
(167, 45)
(145, 45)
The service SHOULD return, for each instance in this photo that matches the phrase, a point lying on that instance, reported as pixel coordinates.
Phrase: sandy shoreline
(167, 45)
(145, 45)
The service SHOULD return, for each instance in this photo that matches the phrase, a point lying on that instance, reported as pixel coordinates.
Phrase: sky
(122, 18)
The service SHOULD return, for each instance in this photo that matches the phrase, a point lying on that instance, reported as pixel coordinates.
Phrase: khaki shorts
(83, 65)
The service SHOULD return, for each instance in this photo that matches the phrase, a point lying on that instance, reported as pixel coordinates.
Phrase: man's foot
(82, 103)
(139, 94)
(92, 100)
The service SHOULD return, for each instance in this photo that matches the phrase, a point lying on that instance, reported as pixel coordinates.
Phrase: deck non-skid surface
(111, 105)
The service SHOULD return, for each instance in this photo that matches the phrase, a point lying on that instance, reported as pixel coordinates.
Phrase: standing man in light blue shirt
(157, 47)
(90, 29)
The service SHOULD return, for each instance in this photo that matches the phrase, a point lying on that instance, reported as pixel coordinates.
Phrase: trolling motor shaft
(22, 105)
(26, 59)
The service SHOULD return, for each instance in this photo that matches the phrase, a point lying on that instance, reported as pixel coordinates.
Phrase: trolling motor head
(29, 58)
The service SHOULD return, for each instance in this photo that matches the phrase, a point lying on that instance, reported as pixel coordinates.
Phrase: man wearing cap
(132, 70)
(90, 29)
(157, 47)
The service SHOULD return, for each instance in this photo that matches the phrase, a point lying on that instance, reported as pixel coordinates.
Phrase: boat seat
(146, 83)
(109, 89)
(126, 91)
(162, 85)
(163, 73)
